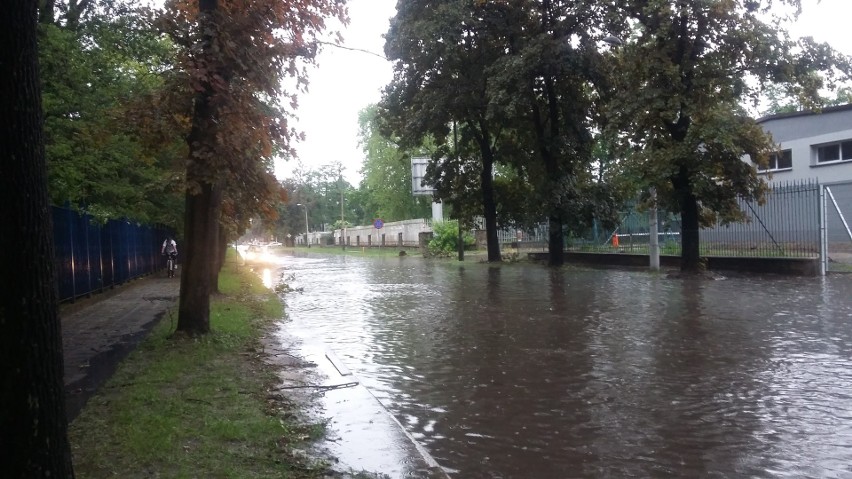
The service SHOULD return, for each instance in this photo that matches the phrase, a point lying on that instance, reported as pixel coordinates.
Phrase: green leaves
(387, 174)
(99, 156)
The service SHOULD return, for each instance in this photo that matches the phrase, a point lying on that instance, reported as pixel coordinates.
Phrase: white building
(812, 145)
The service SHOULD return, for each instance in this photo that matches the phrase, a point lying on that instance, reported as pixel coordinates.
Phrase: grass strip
(198, 407)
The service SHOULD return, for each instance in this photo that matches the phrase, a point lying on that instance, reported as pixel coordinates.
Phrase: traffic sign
(378, 223)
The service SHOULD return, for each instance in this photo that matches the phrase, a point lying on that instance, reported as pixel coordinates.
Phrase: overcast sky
(347, 81)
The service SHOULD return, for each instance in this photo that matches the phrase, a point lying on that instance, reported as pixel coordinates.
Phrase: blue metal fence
(91, 257)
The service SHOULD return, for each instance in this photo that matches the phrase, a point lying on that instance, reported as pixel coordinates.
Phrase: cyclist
(170, 248)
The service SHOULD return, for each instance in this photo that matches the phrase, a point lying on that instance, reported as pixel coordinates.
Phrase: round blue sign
(378, 223)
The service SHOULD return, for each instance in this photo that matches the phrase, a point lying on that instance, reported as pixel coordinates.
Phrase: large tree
(235, 55)
(545, 83)
(441, 52)
(33, 426)
(686, 69)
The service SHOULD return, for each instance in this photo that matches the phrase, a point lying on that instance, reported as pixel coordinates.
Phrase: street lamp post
(307, 241)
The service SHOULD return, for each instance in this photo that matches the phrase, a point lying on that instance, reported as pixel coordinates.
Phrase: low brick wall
(787, 266)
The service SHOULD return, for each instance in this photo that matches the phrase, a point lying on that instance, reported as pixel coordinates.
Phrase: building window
(779, 161)
(831, 152)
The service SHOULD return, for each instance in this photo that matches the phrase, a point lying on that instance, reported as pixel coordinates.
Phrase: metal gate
(837, 232)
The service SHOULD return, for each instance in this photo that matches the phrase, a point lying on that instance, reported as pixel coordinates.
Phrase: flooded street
(526, 372)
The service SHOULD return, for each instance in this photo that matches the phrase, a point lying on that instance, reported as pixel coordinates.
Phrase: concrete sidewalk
(99, 331)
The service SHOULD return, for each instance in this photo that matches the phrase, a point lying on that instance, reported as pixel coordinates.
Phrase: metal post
(307, 240)
(307, 233)
(342, 219)
(653, 239)
(823, 236)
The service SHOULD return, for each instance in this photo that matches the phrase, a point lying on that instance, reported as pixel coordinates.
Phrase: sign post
(418, 172)
(378, 223)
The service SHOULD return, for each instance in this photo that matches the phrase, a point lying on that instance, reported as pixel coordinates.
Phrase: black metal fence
(91, 256)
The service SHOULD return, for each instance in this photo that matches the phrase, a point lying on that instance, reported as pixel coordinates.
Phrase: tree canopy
(386, 171)
(233, 57)
(684, 74)
(441, 52)
(536, 88)
(99, 64)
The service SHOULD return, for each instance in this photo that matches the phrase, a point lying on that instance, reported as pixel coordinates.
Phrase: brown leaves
(234, 60)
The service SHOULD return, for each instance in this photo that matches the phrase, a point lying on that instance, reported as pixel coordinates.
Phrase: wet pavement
(361, 434)
(526, 371)
(101, 330)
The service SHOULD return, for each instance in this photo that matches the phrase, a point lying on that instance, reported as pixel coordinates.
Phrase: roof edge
(829, 109)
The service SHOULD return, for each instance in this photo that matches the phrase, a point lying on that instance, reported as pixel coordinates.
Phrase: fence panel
(63, 234)
(838, 242)
(786, 225)
(91, 256)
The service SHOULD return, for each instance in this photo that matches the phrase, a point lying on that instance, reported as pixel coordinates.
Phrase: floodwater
(522, 371)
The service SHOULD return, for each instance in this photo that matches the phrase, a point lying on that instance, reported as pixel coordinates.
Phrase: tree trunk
(214, 260)
(220, 250)
(555, 242)
(33, 424)
(45, 11)
(461, 242)
(489, 206)
(690, 258)
(201, 219)
(545, 139)
(202, 199)
(74, 12)
(223, 248)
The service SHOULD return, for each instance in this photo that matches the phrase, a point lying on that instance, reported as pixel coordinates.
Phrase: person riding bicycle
(170, 249)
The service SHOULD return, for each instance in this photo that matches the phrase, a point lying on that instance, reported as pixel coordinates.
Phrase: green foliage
(100, 156)
(341, 224)
(678, 85)
(321, 191)
(445, 239)
(442, 52)
(387, 174)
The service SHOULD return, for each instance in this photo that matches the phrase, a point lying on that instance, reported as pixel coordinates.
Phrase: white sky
(344, 83)
(347, 81)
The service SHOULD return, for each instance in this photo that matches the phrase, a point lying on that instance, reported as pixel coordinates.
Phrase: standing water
(530, 372)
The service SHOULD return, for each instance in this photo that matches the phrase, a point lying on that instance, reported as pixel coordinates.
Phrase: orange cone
(615, 241)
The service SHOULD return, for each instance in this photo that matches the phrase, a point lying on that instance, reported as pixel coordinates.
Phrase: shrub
(445, 238)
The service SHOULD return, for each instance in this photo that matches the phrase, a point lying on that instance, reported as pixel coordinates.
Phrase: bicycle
(170, 264)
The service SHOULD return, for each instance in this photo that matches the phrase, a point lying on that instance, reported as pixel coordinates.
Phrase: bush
(445, 238)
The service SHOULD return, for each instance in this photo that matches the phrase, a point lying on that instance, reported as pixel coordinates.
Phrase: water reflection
(526, 371)
(266, 277)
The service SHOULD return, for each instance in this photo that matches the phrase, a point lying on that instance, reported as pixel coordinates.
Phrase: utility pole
(307, 240)
(342, 220)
